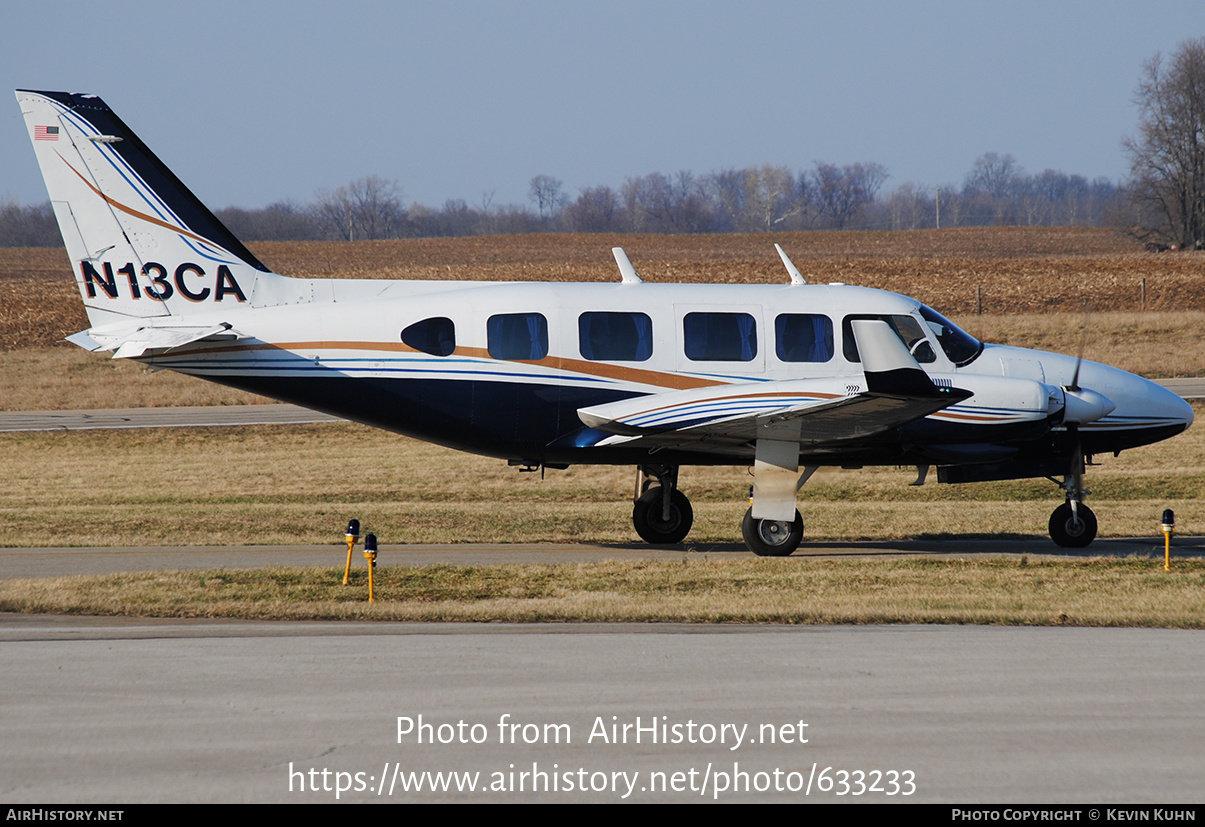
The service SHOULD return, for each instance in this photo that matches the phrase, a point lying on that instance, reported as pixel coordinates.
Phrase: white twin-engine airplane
(789, 377)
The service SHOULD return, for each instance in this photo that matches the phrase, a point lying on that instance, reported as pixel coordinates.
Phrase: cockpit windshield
(961, 347)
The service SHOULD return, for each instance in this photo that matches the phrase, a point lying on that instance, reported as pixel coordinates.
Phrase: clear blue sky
(255, 102)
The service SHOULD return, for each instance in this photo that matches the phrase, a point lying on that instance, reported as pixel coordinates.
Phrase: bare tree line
(996, 191)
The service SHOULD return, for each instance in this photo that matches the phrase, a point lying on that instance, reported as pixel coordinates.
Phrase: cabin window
(520, 336)
(720, 337)
(436, 336)
(906, 327)
(615, 337)
(803, 337)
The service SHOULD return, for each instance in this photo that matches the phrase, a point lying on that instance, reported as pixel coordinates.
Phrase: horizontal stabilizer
(132, 341)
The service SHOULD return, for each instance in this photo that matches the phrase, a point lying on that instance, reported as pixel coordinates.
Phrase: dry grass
(300, 484)
(54, 378)
(1150, 344)
(695, 590)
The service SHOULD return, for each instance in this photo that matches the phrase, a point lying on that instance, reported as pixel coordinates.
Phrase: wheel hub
(774, 532)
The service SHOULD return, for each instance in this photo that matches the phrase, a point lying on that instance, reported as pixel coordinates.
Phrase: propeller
(1080, 405)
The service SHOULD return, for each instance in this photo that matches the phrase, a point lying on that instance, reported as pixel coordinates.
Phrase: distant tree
(281, 221)
(545, 191)
(658, 203)
(595, 211)
(908, 207)
(992, 190)
(1167, 160)
(840, 192)
(367, 208)
(725, 190)
(28, 226)
(770, 198)
(994, 174)
(512, 219)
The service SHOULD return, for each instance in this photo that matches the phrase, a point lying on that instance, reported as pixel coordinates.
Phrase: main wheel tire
(1069, 532)
(648, 520)
(772, 538)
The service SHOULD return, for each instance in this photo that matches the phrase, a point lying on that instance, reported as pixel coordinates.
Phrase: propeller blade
(1079, 357)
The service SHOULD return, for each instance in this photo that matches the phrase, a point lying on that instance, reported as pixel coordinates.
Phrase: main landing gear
(661, 514)
(772, 538)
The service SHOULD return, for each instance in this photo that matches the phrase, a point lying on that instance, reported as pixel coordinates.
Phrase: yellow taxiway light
(370, 554)
(353, 534)
(1169, 525)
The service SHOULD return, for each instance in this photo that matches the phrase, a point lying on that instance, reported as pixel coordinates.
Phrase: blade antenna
(796, 276)
(627, 273)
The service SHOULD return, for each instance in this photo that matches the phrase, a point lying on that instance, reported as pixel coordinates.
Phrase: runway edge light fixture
(1169, 525)
(352, 534)
(370, 554)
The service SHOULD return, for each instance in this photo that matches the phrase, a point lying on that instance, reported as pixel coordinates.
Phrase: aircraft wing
(739, 414)
(812, 412)
(147, 339)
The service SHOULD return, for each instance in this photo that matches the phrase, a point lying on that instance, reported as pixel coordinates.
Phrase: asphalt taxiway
(56, 562)
(131, 710)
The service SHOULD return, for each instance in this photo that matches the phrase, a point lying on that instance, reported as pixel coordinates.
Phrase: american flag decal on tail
(45, 133)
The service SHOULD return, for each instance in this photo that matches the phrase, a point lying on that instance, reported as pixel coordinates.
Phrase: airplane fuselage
(517, 363)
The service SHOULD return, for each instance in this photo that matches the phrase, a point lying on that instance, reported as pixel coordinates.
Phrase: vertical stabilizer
(140, 242)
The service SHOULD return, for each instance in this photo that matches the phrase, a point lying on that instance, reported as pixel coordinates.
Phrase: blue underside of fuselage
(538, 423)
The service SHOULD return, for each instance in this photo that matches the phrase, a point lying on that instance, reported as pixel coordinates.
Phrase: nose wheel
(1072, 527)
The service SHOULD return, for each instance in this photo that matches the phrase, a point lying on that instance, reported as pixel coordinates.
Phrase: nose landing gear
(1073, 525)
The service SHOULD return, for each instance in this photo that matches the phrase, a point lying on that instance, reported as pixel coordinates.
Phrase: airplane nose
(1186, 413)
(1145, 412)
(1161, 404)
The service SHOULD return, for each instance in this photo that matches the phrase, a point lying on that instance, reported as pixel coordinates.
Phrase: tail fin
(140, 242)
